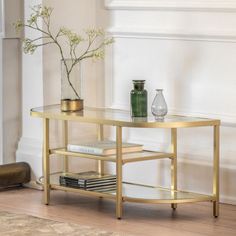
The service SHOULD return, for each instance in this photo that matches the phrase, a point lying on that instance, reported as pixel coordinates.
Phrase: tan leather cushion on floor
(13, 174)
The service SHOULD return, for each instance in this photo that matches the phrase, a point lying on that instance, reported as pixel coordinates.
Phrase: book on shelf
(73, 182)
(103, 148)
(90, 180)
(88, 176)
(98, 188)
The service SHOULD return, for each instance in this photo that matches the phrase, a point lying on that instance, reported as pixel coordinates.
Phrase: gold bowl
(69, 105)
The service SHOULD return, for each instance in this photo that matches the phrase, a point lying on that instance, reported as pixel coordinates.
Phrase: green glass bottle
(138, 99)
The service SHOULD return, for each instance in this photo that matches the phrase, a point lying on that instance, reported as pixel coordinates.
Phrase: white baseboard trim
(33, 184)
(228, 200)
(31, 151)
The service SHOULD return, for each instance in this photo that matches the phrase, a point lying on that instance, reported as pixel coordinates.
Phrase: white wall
(188, 49)
(10, 80)
(11, 98)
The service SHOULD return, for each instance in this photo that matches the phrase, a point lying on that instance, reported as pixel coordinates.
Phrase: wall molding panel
(221, 36)
(172, 5)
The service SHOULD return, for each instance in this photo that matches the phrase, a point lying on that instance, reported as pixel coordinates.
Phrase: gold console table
(128, 191)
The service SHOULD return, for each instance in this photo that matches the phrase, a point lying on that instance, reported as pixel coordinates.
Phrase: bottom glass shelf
(149, 194)
(140, 193)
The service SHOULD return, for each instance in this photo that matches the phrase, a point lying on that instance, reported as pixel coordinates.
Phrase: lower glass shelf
(140, 193)
(149, 194)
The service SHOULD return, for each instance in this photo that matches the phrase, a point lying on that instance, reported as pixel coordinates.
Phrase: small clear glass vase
(159, 107)
(71, 86)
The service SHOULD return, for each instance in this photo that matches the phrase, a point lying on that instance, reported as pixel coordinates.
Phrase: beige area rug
(25, 225)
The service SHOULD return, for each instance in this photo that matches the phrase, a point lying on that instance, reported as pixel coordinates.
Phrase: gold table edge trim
(179, 124)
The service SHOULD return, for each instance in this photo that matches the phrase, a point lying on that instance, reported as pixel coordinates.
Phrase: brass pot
(69, 105)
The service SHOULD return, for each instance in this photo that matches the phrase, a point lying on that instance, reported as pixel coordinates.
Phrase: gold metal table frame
(128, 191)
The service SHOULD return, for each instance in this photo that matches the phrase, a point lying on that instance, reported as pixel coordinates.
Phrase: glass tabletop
(120, 118)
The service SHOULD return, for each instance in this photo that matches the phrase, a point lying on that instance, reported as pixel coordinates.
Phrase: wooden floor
(139, 219)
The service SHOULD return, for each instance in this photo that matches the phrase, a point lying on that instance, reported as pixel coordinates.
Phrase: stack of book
(103, 148)
(90, 180)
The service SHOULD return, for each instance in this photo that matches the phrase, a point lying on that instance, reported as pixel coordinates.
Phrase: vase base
(159, 118)
(68, 105)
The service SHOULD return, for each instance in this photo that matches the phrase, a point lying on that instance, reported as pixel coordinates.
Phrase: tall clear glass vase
(71, 85)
